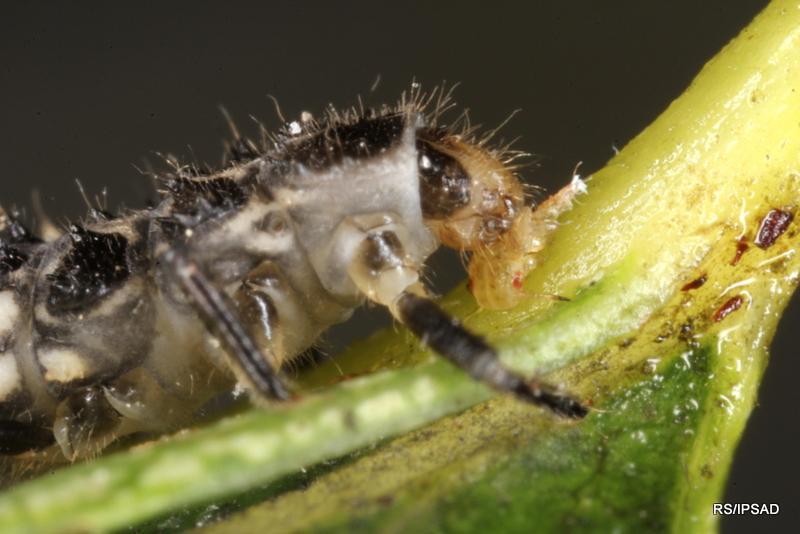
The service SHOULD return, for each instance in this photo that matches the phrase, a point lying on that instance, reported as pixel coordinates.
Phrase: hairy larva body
(134, 322)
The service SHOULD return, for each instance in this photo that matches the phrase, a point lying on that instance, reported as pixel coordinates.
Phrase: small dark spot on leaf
(385, 500)
(772, 226)
(741, 248)
(625, 343)
(650, 366)
(696, 283)
(350, 420)
(686, 332)
(730, 306)
(706, 471)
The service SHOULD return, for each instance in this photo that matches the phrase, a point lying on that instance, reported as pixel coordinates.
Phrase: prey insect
(132, 323)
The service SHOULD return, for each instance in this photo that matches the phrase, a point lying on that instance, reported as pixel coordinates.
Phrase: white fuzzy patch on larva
(266, 243)
(242, 228)
(242, 222)
(9, 311)
(62, 365)
(9, 375)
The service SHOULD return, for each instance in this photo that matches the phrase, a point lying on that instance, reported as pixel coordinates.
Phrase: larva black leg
(468, 351)
(218, 312)
(380, 268)
(16, 437)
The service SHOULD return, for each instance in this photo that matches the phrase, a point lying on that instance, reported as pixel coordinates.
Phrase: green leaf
(672, 380)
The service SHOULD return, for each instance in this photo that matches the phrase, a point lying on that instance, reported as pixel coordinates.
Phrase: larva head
(497, 273)
(469, 197)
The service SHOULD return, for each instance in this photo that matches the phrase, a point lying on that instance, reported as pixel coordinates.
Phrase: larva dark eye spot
(444, 184)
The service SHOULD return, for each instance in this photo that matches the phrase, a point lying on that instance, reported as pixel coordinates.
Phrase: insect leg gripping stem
(470, 352)
(218, 312)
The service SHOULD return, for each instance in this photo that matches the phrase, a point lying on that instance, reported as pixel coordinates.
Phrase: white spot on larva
(9, 375)
(295, 128)
(9, 311)
(62, 365)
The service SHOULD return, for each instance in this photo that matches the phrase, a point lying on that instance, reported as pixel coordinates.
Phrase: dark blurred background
(90, 92)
